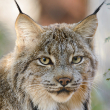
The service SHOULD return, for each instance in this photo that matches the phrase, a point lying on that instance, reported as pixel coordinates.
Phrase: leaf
(108, 4)
(108, 69)
(108, 79)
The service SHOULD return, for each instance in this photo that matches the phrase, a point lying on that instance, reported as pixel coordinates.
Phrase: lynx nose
(64, 81)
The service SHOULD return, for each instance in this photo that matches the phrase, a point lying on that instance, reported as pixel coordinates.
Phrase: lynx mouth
(63, 90)
(62, 95)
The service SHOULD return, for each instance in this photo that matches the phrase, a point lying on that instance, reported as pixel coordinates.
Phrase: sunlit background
(47, 12)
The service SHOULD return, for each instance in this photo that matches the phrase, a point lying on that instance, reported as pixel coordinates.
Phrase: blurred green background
(6, 44)
(3, 42)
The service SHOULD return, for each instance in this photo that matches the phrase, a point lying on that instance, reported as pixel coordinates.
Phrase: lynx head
(55, 61)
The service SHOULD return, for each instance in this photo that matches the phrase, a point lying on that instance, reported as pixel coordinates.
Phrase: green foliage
(108, 79)
(105, 74)
(107, 39)
(97, 102)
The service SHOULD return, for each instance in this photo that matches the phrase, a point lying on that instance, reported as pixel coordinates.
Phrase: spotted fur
(26, 84)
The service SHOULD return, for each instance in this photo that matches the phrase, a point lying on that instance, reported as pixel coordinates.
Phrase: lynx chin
(51, 68)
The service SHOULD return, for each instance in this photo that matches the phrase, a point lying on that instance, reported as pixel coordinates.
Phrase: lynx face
(61, 63)
(57, 61)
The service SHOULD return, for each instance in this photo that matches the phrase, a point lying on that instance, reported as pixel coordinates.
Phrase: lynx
(51, 68)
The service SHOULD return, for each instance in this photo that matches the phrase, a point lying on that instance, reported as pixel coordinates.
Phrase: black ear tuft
(18, 7)
(96, 11)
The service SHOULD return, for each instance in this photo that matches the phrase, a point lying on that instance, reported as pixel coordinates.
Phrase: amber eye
(45, 61)
(77, 59)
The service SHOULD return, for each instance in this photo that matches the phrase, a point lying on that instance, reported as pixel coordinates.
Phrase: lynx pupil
(75, 58)
(44, 59)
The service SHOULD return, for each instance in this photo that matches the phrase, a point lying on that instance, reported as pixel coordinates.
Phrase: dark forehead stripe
(59, 35)
(58, 41)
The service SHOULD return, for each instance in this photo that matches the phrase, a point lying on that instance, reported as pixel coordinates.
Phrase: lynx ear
(88, 26)
(26, 27)
(27, 30)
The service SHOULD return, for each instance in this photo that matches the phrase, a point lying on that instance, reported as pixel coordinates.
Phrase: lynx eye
(76, 59)
(45, 61)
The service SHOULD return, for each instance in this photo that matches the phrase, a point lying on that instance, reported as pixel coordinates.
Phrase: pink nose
(64, 81)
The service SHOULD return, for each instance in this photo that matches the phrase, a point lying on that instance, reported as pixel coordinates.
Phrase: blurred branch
(107, 40)
(107, 73)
